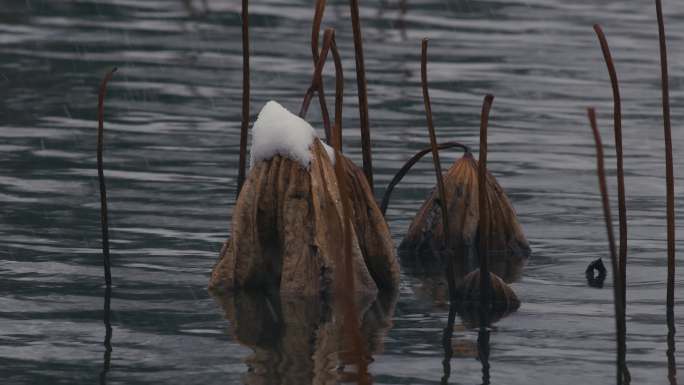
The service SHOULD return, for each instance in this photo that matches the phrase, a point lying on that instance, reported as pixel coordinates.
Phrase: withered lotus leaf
(371, 229)
(287, 231)
(501, 296)
(508, 247)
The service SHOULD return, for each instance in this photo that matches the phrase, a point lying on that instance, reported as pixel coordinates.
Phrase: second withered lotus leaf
(508, 247)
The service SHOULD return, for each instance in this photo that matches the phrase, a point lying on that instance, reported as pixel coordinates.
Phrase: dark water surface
(171, 156)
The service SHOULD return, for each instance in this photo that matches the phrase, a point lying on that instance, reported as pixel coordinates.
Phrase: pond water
(172, 132)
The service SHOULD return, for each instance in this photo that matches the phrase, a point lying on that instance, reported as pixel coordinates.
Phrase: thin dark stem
(101, 178)
(363, 94)
(669, 172)
(622, 206)
(438, 171)
(244, 126)
(407, 166)
(329, 44)
(316, 28)
(611, 238)
(316, 79)
(104, 222)
(339, 95)
(482, 204)
(315, 32)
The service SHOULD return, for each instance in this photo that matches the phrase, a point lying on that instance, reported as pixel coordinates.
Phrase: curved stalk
(329, 44)
(408, 165)
(315, 32)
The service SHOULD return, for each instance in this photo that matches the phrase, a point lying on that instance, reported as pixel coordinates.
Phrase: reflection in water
(108, 335)
(400, 22)
(192, 10)
(671, 363)
(483, 352)
(303, 340)
(446, 343)
(471, 318)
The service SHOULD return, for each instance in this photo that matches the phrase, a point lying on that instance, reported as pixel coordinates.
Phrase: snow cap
(277, 131)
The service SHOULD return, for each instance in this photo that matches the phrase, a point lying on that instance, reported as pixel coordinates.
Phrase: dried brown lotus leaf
(508, 247)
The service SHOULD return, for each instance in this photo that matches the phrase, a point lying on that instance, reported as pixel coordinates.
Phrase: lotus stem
(409, 164)
(438, 171)
(482, 204)
(669, 172)
(100, 173)
(315, 32)
(329, 44)
(363, 94)
(591, 113)
(316, 80)
(622, 208)
(244, 126)
(339, 95)
(104, 224)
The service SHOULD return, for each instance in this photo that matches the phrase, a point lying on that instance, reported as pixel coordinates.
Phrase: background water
(171, 155)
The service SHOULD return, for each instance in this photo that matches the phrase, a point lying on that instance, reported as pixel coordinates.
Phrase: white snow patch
(277, 131)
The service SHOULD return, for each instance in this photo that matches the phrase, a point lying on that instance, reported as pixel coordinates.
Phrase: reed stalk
(483, 223)
(438, 171)
(319, 10)
(619, 311)
(104, 225)
(363, 93)
(622, 206)
(339, 95)
(244, 126)
(669, 172)
(329, 44)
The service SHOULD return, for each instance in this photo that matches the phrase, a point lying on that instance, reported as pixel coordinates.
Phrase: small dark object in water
(596, 280)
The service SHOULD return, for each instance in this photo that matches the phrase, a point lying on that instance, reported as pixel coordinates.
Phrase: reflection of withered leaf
(301, 339)
(508, 247)
(286, 229)
(502, 300)
(464, 348)
(470, 316)
(501, 295)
